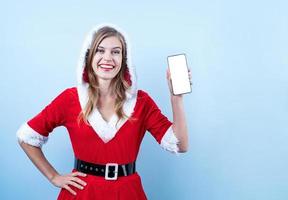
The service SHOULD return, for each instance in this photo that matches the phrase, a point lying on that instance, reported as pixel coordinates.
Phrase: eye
(100, 50)
(116, 52)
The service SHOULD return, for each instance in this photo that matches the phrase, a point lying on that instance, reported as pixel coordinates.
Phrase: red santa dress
(102, 142)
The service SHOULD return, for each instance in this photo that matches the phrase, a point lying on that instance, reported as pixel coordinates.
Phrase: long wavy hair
(119, 84)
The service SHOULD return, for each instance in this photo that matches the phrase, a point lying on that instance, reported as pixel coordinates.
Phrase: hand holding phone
(179, 74)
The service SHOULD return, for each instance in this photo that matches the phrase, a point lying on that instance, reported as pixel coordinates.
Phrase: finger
(70, 190)
(76, 185)
(80, 174)
(78, 180)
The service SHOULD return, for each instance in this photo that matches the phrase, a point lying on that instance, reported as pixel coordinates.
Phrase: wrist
(176, 97)
(52, 177)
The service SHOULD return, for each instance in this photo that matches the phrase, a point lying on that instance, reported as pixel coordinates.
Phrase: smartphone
(179, 74)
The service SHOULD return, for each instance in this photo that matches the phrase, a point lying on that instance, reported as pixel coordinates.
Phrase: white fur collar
(106, 130)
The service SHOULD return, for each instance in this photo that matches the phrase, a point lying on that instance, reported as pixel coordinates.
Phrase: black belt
(111, 171)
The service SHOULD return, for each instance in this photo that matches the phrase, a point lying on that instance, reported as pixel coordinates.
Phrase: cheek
(119, 60)
(95, 61)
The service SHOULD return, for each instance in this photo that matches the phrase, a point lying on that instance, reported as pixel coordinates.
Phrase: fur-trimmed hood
(82, 85)
(95, 119)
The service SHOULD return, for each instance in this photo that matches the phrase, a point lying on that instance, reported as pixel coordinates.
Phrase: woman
(106, 118)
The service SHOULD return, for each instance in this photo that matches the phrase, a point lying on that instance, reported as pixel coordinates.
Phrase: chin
(106, 78)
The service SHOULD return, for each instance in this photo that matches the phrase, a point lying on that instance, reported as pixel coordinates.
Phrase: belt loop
(124, 170)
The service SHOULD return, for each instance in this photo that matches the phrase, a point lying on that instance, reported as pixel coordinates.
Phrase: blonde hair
(118, 84)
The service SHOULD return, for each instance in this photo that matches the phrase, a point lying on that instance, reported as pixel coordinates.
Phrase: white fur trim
(106, 130)
(169, 141)
(27, 135)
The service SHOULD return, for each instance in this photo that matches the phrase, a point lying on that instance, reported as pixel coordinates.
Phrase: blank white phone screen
(179, 74)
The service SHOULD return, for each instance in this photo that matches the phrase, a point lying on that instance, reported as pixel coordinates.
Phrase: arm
(36, 155)
(179, 122)
(34, 133)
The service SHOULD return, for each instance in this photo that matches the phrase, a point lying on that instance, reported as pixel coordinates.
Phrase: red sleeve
(155, 122)
(52, 115)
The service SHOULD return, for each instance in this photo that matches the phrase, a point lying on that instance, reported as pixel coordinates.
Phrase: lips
(106, 66)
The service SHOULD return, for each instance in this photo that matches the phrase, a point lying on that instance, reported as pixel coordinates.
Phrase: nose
(107, 56)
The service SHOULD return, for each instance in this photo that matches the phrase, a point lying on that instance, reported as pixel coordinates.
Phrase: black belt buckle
(108, 171)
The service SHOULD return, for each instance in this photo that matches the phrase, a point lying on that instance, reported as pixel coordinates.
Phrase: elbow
(183, 151)
(183, 148)
(22, 144)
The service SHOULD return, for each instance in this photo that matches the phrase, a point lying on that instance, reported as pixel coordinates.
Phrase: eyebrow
(112, 48)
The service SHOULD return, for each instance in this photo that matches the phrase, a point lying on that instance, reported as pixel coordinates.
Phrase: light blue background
(237, 113)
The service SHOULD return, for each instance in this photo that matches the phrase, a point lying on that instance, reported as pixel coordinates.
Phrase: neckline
(111, 118)
(107, 131)
(117, 133)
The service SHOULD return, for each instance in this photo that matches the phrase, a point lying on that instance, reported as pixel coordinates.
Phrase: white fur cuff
(169, 141)
(26, 134)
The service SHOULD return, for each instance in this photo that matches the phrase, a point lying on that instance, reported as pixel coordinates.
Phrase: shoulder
(66, 95)
(144, 97)
(68, 92)
(142, 94)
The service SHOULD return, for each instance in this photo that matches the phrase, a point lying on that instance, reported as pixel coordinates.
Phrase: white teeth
(106, 66)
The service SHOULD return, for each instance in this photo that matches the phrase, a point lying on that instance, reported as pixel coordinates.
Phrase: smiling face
(107, 60)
